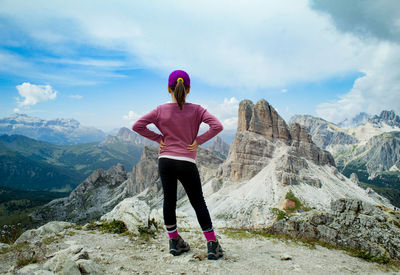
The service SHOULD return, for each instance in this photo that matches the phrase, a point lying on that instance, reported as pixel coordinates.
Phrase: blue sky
(107, 63)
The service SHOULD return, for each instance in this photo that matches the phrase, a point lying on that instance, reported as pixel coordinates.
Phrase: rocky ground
(74, 250)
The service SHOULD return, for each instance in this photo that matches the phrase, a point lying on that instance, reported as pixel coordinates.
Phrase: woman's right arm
(140, 126)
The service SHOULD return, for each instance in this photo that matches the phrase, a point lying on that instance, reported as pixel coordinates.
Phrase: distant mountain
(30, 164)
(56, 131)
(323, 133)
(359, 119)
(386, 117)
(127, 136)
(371, 149)
(376, 162)
(219, 146)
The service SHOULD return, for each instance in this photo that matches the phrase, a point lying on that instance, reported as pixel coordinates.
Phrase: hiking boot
(177, 246)
(214, 250)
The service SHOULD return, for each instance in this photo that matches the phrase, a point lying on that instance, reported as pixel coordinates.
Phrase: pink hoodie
(179, 128)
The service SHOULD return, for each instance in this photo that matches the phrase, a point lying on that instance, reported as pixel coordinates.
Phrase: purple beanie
(177, 74)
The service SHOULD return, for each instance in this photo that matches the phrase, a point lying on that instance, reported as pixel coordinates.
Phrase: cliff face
(262, 119)
(96, 195)
(261, 130)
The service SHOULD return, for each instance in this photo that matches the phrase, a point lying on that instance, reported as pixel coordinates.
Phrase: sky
(106, 63)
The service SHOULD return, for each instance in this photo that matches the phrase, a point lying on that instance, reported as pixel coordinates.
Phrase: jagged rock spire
(260, 131)
(262, 119)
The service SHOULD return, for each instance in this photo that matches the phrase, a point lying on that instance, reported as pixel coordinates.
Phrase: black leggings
(171, 170)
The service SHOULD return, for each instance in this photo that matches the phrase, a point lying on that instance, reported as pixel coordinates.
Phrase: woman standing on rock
(179, 123)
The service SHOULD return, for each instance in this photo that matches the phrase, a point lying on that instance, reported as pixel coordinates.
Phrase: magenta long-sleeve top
(179, 128)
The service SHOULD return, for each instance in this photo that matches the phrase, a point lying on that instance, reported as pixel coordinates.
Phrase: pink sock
(210, 236)
(173, 235)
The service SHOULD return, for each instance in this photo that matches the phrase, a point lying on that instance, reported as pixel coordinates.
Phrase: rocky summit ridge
(267, 160)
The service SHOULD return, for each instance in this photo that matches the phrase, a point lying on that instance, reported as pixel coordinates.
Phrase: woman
(179, 124)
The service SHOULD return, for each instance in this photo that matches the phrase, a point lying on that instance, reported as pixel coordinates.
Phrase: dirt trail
(118, 254)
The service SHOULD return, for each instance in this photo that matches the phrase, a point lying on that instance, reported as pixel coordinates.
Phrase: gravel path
(117, 254)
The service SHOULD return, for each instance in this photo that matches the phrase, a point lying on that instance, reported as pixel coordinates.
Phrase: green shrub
(115, 226)
(9, 233)
(280, 214)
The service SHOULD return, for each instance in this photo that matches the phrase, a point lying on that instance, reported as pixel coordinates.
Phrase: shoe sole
(212, 256)
(179, 252)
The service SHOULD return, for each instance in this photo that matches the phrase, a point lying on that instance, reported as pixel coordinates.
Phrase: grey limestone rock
(50, 228)
(260, 131)
(349, 223)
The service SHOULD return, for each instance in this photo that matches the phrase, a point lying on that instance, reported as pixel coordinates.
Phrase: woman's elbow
(136, 127)
(219, 128)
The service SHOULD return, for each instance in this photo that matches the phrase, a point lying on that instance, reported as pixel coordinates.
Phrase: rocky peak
(303, 145)
(112, 178)
(96, 195)
(388, 117)
(260, 131)
(126, 135)
(299, 133)
(359, 119)
(262, 119)
(219, 146)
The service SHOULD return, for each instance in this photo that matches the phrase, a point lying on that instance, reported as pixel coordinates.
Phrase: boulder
(288, 204)
(49, 229)
(349, 223)
(132, 211)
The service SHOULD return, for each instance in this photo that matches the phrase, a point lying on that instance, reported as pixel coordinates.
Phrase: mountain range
(56, 131)
(370, 149)
(30, 164)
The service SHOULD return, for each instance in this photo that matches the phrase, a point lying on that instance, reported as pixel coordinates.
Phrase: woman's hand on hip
(162, 145)
(193, 147)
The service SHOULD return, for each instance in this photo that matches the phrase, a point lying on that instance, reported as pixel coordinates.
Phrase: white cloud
(378, 89)
(131, 116)
(76, 96)
(226, 112)
(284, 91)
(376, 24)
(32, 94)
(16, 110)
(236, 43)
(367, 18)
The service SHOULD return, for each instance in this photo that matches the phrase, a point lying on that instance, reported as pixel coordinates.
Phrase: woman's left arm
(140, 126)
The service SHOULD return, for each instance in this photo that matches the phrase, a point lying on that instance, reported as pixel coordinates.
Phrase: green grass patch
(119, 227)
(30, 259)
(280, 214)
(50, 239)
(285, 213)
(14, 248)
(115, 226)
